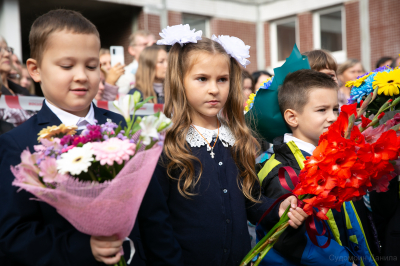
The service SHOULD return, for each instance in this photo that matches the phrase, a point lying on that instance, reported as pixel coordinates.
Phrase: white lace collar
(196, 140)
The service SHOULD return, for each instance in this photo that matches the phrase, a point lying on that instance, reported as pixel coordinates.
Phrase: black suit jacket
(32, 232)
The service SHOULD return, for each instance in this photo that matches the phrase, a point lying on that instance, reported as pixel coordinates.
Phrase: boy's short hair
(143, 33)
(321, 59)
(53, 21)
(296, 87)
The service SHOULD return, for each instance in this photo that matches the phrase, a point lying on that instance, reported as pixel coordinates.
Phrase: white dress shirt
(69, 119)
(302, 145)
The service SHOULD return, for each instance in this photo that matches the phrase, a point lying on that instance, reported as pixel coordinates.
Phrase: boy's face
(69, 73)
(319, 113)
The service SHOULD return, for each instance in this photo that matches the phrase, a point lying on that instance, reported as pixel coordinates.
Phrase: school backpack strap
(268, 166)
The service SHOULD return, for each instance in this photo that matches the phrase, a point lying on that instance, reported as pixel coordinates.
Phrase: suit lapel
(47, 117)
(100, 115)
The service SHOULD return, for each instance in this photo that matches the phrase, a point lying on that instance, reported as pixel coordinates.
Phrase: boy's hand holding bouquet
(96, 180)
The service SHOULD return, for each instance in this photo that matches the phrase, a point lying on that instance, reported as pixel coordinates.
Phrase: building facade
(361, 29)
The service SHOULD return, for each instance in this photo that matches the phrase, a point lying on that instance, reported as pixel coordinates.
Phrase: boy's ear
(33, 69)
(291, 118)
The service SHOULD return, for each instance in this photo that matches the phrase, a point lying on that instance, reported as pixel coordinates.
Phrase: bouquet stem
(121, 262)
(268, 241)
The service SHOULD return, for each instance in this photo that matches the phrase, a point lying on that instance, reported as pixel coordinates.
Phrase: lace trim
(196, 140)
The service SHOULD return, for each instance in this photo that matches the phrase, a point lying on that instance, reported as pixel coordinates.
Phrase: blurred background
(361, 29)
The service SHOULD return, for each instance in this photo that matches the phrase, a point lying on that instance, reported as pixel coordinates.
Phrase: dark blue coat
(211, 227)
(32, 232)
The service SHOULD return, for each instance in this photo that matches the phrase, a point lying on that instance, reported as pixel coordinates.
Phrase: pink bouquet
(95, 180)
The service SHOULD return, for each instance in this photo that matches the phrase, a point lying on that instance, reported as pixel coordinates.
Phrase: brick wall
(149, 22)
(267, 46)
(305, 31)
(243, 30)
(384, 21)
(353, 38)
(174, 18)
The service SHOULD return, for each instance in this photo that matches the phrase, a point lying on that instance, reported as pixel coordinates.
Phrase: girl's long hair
(146, 72)
(176, 149)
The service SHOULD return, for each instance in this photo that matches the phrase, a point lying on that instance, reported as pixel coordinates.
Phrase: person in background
(260, 77)
(26, 81)
(14, 75)
(396, 62)
(151, 73)
(11, 115)
(4, 126)
(384, 61)
(349, 70)
(108, 90)
(322, 61)
(248, 85)
(137, 42)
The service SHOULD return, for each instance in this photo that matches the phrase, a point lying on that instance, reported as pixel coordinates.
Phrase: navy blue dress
(211, 227)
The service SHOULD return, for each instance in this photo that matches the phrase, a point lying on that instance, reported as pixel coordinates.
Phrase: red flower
(365, 121)
(350, 109)
(339, 163)
(385, 148)
(322, 202)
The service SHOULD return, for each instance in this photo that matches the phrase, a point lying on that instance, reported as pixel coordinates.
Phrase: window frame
(274, 38)
(340, 56)
(207, 32)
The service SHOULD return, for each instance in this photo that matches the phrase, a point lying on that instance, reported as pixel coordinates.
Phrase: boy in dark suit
(65, 61)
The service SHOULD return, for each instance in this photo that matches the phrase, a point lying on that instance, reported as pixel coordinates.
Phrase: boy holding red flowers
(309, 104)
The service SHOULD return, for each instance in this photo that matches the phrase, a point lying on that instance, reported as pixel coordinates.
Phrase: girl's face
(247, 89)
(161, 66)
(352, 73)
(105, 61)
(207, 87)
(330, 73)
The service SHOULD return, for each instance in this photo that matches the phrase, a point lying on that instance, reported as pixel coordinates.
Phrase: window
(286, 39)
(329, 32)
(197, 22)
(283, 36)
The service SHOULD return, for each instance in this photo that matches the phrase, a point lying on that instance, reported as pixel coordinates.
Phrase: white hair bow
(235, 47)
(179, 34)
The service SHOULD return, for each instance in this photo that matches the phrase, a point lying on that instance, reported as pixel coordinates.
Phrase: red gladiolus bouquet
(349, 161)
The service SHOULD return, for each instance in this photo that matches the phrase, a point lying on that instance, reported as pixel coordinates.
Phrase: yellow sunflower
(388, 83)
(50, 132)
(357, 82)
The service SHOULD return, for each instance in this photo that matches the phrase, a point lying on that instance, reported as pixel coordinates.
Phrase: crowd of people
(204, 199)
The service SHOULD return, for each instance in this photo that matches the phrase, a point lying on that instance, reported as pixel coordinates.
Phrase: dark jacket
(17, 89)
(32, 232)
(386, 212)
(211, 226)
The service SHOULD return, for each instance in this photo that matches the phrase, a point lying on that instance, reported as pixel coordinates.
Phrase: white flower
(125, 106)
(76, 160)
(235, 47)
(179, 34)
(163, 122)
(149, 128)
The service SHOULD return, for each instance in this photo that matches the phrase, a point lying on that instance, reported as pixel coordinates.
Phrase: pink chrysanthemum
(113, 150)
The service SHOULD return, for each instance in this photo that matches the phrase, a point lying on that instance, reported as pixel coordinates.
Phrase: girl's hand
(115, 73)
(296, 214)
(106, 249)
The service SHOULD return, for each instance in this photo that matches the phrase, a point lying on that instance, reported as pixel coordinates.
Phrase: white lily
(149, 126)
(125, 106)
(163, 122)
